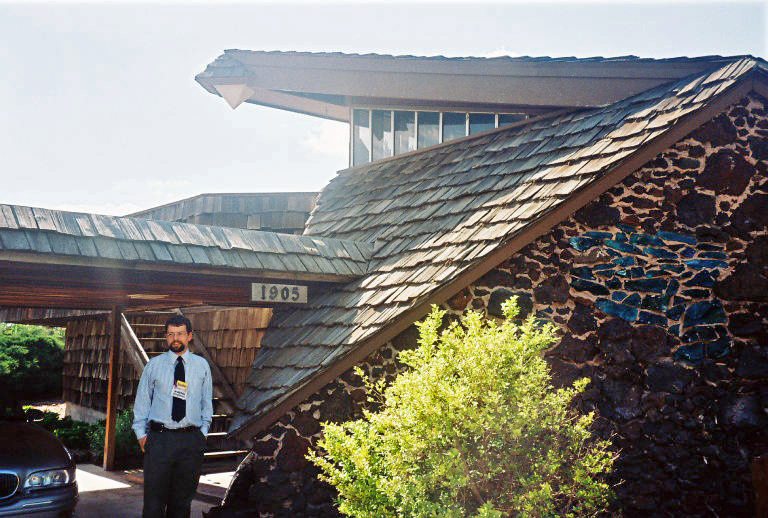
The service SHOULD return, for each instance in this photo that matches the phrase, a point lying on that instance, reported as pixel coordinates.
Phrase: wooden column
(114, 360)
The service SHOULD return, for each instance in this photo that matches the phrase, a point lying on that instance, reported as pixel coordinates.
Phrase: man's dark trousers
(172, 462)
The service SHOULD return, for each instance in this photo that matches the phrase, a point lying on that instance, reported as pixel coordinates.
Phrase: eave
(327, 85)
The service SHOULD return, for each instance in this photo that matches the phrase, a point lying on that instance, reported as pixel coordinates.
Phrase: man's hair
(178, 320)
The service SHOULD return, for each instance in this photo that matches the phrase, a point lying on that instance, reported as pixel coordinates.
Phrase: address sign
(278, 293)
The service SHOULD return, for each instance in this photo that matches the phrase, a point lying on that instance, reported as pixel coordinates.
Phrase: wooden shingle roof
(441, 217)
(91, 238)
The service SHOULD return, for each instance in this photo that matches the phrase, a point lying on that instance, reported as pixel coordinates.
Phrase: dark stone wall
(660, 289)
(275, 479)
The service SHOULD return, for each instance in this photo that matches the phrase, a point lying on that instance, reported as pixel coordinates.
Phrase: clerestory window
(377, 134)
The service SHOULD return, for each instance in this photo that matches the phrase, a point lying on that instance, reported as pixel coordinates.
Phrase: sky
(101, 112)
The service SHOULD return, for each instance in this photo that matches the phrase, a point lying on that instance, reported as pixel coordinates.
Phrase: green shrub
(31, 361)
(73, 434)
(472, 428)
(126, 445)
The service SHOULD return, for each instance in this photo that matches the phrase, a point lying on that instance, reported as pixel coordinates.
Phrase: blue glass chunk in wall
(626, 228)
(693, 353)
(673, 268)
(699, 333)
(592, 287)
(602, 266)
(674, 330)
(707, 246)
(621, 237)
(698, 264)
(646, 285)
(582, 244)
(673, 236)
(688, 252)
(622, 247)
(674, 312)
(649, 318)
(672, 288)
(613, 284)
(706, 312)
(697, 293)
(704, 278)
(617, 310)
(713, 255)
(583, 272)
(659, 252)
(718, 348)
(654, 303)
(633, 300)
(645, 240)
(624, 261)
(618, 296)
(598, 235)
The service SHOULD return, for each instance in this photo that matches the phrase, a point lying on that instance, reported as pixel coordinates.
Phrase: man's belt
(154, 426)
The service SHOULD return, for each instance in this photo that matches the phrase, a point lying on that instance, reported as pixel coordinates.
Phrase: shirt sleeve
(142, 404)
(206, 405)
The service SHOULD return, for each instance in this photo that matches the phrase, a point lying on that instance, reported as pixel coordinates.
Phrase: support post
(114, 360)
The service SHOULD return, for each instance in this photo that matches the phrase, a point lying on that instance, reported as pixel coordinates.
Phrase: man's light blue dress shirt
(153, 395)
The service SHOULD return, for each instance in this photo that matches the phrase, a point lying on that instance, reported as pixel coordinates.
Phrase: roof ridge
(526, 58)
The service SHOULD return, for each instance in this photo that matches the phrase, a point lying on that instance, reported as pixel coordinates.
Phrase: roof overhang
(327, 85)
(32, 280)
(58, 259)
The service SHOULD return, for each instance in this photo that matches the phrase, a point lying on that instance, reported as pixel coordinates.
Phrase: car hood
(27, 447)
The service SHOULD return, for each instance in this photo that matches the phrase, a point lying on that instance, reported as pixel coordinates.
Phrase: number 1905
(279, 293)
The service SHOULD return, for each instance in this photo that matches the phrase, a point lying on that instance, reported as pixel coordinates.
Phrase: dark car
(37, 473)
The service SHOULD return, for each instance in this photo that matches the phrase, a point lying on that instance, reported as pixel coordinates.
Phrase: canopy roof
(51, 258)
(327, 84)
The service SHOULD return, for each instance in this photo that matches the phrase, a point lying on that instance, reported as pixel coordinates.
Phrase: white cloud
(328, 138)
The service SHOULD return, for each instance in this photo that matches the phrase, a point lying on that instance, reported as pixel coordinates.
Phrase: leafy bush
(472, 428)
(126, 445)
(31, 361)
(73, 434)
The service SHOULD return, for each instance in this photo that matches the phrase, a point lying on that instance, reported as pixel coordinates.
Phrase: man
(172, 415)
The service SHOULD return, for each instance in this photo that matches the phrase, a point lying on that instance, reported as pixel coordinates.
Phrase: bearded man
(172, 414)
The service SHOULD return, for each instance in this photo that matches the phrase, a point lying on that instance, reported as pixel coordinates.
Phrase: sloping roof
(276, 211)
(88, 238)
(442, 217)
(327, 84)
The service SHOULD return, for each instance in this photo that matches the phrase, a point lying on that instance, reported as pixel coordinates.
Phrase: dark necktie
(179, 409)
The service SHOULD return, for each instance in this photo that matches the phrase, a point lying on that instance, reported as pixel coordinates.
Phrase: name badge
(180, 390)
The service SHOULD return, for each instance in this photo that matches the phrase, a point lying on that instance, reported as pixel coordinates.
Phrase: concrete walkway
(119, 494)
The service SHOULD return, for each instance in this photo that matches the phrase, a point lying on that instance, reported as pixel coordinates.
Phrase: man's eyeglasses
(178, 334)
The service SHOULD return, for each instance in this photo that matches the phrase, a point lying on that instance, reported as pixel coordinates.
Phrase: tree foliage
(473, 427)
(31, 361)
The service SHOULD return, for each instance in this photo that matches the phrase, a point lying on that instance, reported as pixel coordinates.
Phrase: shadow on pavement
(114, 495)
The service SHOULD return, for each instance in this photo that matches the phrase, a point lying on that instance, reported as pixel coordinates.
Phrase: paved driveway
(110, 495)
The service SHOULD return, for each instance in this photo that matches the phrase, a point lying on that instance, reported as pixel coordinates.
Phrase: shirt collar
(172, 356)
